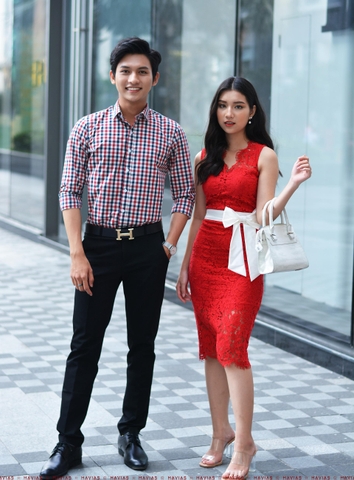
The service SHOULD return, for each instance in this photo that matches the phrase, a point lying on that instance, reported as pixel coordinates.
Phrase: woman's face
(233, 112)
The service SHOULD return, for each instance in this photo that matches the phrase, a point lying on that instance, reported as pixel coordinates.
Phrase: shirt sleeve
(181, 177)
(75, 167)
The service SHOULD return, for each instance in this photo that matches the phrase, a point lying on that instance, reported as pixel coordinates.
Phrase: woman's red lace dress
(225, 303)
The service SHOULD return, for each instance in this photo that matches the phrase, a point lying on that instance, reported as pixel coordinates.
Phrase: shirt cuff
(183, 205)
(68, 200)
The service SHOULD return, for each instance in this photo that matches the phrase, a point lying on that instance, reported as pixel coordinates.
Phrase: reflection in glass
(197, 39)
(22, 109)
(28, 76)
(167, 40)
(114, 20)
(6, 21)
(312, 113)
(208, 53)
(255, 46)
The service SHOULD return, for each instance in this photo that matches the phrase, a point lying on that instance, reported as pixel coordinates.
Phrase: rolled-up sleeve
(181, 177)
(75, 168)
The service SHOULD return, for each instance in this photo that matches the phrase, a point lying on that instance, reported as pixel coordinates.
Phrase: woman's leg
(219, 397)
(241, 390)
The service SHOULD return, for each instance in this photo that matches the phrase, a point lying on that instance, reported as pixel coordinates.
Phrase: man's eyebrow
(129, 66)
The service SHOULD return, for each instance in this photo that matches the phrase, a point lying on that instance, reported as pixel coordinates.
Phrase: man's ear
(156, 79)
(112, 77)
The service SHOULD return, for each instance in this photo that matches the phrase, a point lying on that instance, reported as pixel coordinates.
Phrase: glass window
(114, 20)
(167, 39)
(208, 53)
(312, 112)
(197, 41)
(23, 109)
(6, 23)
(255, 46)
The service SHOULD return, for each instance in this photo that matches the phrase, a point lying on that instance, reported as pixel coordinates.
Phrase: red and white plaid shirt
(124, 168)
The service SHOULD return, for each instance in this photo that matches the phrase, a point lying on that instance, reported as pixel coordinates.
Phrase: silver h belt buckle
(128, 234)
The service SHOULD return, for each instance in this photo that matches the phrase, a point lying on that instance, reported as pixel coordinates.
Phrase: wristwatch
(172, 248)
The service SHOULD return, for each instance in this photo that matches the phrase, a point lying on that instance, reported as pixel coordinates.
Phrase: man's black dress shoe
(130, 448)
(62, 458)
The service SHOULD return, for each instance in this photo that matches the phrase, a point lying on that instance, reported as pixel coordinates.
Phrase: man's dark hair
(135, 45)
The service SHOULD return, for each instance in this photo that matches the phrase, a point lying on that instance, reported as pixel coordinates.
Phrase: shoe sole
(121, 452)
(210, 465)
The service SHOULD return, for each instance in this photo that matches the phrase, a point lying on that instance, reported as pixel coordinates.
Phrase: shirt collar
(118, 112)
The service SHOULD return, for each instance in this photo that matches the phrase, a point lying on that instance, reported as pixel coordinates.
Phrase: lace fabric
(225, 303)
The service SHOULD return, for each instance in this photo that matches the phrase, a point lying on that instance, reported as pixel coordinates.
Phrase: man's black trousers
(140, 265)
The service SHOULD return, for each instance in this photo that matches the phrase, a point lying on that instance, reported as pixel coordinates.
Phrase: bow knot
(236, 258)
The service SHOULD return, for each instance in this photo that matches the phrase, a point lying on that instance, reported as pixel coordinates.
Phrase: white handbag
(278, 248)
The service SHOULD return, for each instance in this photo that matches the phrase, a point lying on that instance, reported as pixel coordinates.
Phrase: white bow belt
(236, 259)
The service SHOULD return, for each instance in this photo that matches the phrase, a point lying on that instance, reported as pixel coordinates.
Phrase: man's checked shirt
(124, 168)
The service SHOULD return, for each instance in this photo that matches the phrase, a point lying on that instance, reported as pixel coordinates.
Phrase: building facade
(54, 68)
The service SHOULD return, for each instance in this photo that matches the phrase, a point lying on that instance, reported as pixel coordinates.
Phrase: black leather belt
(128, 233)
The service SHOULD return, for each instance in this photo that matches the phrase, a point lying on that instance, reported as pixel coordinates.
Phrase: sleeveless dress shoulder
(225, 303)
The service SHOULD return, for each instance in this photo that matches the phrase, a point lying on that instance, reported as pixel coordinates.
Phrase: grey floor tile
(303, 462)
(11, 470)
(344, 469)
(318, 471)
(272, 467)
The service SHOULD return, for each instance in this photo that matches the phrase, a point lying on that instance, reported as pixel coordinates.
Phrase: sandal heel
(229, 450)
(253, 464)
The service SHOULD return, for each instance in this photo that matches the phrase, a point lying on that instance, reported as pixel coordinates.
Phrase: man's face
(133, 80)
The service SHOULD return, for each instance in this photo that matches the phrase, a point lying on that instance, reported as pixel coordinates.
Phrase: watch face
(173, 250)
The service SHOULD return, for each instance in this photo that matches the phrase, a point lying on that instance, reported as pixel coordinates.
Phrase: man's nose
(133, 77)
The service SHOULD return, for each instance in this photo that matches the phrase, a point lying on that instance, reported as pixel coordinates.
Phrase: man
(122, 154)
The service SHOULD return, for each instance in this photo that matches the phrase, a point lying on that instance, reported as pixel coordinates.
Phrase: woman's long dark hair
(215, 138)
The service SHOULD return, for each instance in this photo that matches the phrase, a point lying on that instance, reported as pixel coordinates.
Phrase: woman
(237, 169)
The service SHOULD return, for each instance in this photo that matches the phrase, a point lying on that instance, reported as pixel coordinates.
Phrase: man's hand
(167, 251)
(81, 273)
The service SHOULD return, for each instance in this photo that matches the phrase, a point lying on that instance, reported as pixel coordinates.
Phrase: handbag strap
(283, 215)
(264, 213)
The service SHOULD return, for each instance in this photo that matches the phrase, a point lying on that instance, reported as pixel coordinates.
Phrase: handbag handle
(283, 217)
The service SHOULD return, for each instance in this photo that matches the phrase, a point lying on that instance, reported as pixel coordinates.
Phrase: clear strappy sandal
(218, 444)
(241, 459)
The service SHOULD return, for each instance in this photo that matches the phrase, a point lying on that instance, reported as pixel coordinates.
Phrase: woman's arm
(268, 175)
(197, 218)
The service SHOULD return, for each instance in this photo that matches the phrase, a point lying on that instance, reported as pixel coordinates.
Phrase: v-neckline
(236, 155)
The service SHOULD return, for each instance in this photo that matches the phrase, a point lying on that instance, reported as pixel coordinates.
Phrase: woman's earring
(250, 120)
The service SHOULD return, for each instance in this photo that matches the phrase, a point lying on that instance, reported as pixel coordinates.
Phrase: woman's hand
(182, 289)
(301, 170)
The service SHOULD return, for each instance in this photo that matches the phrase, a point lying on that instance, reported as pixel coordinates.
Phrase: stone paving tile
(303, 422)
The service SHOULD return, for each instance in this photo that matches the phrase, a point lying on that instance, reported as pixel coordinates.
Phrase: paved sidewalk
(303, 422)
